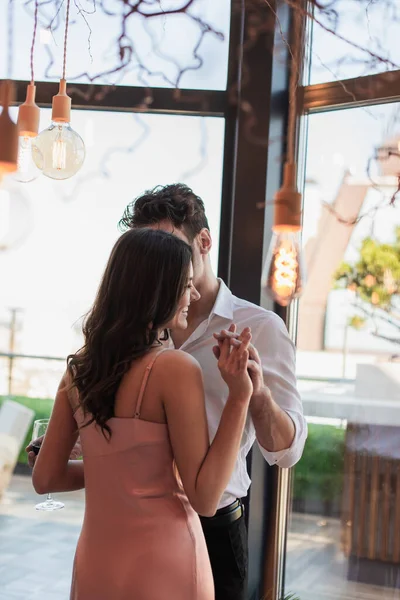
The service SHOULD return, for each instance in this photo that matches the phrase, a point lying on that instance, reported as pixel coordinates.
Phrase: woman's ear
(164, 337)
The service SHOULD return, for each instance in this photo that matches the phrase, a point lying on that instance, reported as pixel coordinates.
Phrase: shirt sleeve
(278, 359)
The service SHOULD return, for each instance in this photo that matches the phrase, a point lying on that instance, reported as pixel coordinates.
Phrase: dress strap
(144, 383)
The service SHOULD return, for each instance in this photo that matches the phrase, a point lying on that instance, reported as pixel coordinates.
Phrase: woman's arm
(205, 469)
(53, 471)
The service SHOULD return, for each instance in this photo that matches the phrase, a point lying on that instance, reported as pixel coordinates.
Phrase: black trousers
(228, 550)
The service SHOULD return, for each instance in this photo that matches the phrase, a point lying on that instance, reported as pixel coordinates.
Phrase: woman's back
(141, 538)
(139, 532)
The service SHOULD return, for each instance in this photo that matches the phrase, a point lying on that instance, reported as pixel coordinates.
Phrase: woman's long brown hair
(139, 293)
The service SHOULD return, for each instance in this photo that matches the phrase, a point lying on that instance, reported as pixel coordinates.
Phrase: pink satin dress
(140, 539)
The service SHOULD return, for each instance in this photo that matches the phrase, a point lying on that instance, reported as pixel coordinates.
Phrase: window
(49, 279)
(365, 44)
(156, 52)
(345, 488)
(52, 275)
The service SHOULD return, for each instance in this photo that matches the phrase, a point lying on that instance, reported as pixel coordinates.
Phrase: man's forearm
(275, 430)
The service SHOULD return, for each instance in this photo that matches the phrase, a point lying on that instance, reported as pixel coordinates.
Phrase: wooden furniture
(371, 504)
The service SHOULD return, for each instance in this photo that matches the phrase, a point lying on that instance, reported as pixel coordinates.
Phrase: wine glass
(39, 429)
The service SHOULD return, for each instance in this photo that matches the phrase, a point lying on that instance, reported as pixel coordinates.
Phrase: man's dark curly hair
(176, 203)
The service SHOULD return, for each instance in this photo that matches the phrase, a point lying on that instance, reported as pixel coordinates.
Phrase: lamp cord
(10, 33)
(34, 40)
(297, 50)
(66, 38)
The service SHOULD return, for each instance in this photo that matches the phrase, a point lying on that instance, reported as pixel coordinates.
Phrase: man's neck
(200, 310)
(208, 289)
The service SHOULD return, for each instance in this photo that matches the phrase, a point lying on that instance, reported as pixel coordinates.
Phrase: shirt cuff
(290, 456)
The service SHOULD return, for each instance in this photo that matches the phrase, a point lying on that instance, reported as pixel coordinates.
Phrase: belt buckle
(238, 510)
(234, 506)
(225, 518)
(241, 507)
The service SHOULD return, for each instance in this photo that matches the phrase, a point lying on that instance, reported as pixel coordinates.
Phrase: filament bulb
(283, 275)
(59, 151)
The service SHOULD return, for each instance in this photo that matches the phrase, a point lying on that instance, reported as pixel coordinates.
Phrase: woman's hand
(233, 355)
(32, 456)
(253, 364)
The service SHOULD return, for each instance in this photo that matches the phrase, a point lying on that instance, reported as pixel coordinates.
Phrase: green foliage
(375, 278)
(42, 408)
(319, 473)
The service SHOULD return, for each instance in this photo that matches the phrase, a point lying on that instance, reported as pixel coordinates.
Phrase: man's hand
(32, 456)
(254, 362)
(275, 429)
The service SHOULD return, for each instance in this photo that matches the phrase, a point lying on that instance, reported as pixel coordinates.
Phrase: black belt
(224, 516)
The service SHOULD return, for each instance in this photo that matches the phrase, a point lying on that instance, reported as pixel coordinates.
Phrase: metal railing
(12, 356)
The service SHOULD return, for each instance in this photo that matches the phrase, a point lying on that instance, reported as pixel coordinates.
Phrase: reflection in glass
(27, 169)
(343, 541)
(283, 274)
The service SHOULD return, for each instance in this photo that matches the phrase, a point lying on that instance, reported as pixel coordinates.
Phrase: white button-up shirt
(277, 353)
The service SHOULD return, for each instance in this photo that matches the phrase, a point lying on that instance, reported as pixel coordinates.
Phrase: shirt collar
(223, 306)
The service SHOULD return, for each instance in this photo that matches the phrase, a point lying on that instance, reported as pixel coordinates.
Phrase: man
(276, 418)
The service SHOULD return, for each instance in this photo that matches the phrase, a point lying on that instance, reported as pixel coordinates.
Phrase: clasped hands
(254, 362)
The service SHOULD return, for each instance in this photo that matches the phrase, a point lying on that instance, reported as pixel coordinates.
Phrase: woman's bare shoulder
(177, 374)
(174, 360)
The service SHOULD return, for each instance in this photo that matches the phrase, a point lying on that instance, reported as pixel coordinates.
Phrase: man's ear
(204, 240)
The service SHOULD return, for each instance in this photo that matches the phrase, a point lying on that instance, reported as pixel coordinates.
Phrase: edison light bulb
(59, 151)
(283, 275)
(27, 169)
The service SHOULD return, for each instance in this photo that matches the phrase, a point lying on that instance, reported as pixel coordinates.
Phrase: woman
(139, 410)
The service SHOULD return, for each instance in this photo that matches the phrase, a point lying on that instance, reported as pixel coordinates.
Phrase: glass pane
(49, 276)
(163, 51)
(365, 42)
(342, 540)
